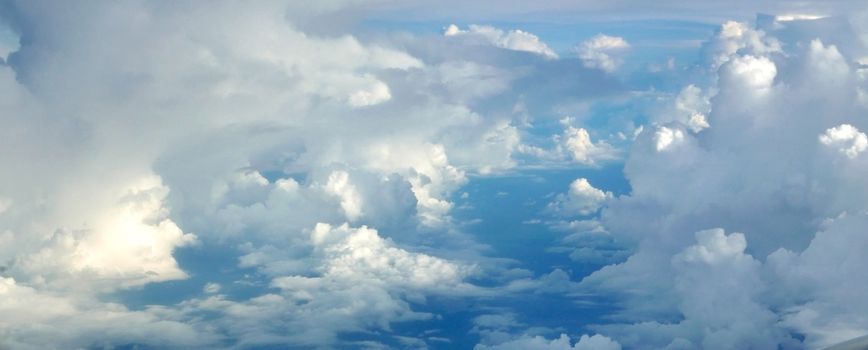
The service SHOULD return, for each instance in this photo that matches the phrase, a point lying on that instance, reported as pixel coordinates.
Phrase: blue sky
(420, 175)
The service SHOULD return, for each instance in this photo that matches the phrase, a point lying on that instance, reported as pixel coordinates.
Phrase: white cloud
(376, 94)
(595, 342)
(757, 73)
(572, 145)
(361, 256)
(831, 68)
(40, 320)
(713, 245)
(697, 122)
(136, 125)
(234, 124)
(516, 39)
(338, 185)
(822, 275)
(581, 199)
(666, 138)
(690, 108)
(846, 138)
(603, 52)
(129, 245)
(797, 17)
(717, 284)
(577, 141)
(428, 170)
(736, 37)
(359, 281)
(769, 166)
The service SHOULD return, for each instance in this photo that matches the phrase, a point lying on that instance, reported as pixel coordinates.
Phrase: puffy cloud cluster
(582, 199)
(776, 159)
(849, 140)
(361, 256)
(738, 37)
(319, 165)
(693, 107)
(603, 52)
(817, 285)
(666, 138)
(130, 245)
(39, 320)
(156, 128)
(573, 145)
(595, 342)
(358, 282)
(497, 334)
(750, 72)
(578, 143)
(689, 108)
(326, 167)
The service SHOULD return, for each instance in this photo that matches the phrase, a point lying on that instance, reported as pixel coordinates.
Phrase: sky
(486, 175)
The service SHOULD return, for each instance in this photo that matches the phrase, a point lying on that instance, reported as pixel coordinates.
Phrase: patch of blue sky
(452, 324)
(653, 41)
(505, 210)
(204, 263)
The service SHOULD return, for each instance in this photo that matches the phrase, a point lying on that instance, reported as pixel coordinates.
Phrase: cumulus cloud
(201, 136)
(244, 137)
(603, 52)
(718, 285)
(580, 147)
(39, 320)
(360, 255)
(359, 281)
(689, 108)
(742, 289)
(665, 138)
(324, 168)
(846, 138)
(581, 199)
(756, 73)
(515, 39)
(595, 342)
(734, 37)
(573, 145)
(339, 186)
(132, 245)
